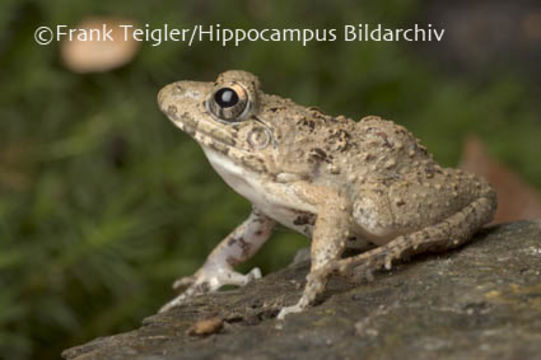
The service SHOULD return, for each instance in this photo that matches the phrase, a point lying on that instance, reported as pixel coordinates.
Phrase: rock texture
(482, 301)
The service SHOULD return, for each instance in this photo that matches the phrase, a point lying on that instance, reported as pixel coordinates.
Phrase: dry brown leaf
(517, 200)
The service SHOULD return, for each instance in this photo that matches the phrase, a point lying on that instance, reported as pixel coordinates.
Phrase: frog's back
(372, 150)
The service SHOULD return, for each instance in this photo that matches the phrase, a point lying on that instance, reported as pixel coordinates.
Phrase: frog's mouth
(184, 104)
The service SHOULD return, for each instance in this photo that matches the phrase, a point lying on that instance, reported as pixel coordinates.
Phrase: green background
(104, 202)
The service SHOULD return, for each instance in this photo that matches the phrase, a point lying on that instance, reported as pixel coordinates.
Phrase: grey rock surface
(482, 301)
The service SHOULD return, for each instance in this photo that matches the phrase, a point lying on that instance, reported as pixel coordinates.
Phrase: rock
(482, 301)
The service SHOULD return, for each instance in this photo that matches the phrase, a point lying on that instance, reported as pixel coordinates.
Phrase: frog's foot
(297, 308)
(313, 287)
(366, 270)
(209, 281)
(315, 284)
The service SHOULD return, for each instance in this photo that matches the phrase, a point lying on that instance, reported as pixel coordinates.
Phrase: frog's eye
(229, 103)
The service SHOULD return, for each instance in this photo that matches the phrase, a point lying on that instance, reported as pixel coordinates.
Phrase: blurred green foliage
(104, 203)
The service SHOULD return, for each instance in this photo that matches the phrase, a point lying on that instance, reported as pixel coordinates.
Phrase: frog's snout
(183, 94)
(164, 95)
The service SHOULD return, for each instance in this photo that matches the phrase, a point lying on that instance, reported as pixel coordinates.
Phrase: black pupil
(226, 97)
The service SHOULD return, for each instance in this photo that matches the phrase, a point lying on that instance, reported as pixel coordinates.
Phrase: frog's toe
(179, 300)
(184, 282)
(195, 289)
(254, 274)
(297, 308)
(236, 278)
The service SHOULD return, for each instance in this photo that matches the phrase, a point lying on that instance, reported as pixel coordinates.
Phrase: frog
(368, 185)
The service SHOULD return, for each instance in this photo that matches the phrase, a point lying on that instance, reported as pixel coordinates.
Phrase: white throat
(243, 181)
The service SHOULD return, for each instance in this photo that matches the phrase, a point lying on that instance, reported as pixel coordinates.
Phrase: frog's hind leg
(449, 233)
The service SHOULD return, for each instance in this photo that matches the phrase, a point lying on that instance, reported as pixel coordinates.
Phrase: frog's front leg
(328, 243)
(217, 271)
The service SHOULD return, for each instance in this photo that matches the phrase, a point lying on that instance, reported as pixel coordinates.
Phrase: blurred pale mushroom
(99, 55)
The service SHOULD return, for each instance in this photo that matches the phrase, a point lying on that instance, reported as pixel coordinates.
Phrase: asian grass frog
(337, 181)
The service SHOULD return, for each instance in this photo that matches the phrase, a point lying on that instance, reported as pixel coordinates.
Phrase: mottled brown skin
(330, 178)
